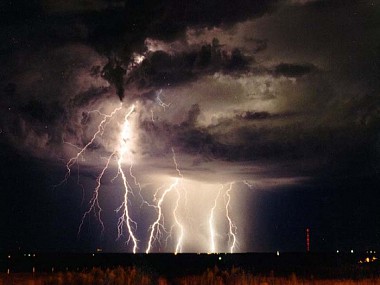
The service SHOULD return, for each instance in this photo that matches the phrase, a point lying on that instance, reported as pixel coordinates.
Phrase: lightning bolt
(231, 226)
(94, 202)
(152, 113)
(211, 224)
(178, 247)
(125, 218)
(160, 102)
(249, 185)
(158, 225)
(179, 225)
(120, 153)
(175, 190)
(99, 131)
(155, 227)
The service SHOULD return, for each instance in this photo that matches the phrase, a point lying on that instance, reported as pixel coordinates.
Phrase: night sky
(279, 98)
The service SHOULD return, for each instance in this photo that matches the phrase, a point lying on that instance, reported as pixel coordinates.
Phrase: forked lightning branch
(169, 223)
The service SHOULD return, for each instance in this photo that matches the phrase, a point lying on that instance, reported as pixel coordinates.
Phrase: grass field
(135, 276)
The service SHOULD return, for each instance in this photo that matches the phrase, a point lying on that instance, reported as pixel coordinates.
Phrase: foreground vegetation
(132, 276)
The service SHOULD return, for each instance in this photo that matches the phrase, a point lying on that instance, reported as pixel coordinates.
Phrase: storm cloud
(281, 93)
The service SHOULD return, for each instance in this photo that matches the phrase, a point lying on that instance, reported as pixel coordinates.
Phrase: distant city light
(368, 260)
(220, 258)
(352, 251)
(337, 251)
(278, 253)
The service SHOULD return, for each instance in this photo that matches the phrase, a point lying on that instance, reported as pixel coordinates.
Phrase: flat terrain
(246, 268)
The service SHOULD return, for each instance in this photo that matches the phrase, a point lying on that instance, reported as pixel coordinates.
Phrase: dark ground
(319, 265)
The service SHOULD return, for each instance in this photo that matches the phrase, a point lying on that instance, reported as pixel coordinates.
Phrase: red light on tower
(307, 240)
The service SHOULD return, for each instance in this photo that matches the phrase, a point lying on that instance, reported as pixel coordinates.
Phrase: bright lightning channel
(178, 247)
(99, 131)
(120, 153)
(158, 225)
(156, 230)
(155, 227)
(94, 202)
(231, 226)
(125, 218)
(160, 102)
(211, 224)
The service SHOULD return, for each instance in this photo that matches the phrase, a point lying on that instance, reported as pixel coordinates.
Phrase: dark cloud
(193, 115)
(260, 45)
(323, 4)
(117, 26)
(85, 98)
(169, 18)
(19, 11)
(242, 84)
(255, 137)
(43, 113)
(161, 69)
(252, 115)
(72, 6)
(117, 31)
(158, 137)
(293, 70)
(114, 73)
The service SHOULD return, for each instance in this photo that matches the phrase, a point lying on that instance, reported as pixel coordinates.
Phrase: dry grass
(239, 277)
(132, 276)
(96, 276)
